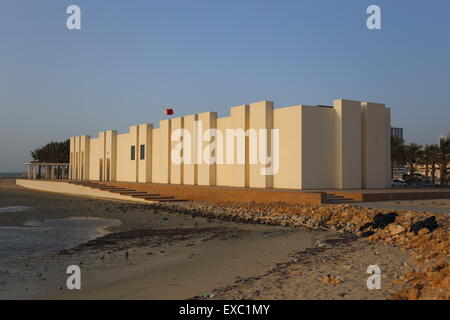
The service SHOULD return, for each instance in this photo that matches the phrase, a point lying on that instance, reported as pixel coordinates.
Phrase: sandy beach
(147, 251)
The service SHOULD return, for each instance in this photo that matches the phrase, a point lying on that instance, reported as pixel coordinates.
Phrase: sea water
(42, 237)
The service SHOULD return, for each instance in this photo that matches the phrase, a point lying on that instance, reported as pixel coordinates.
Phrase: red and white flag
(168, 111)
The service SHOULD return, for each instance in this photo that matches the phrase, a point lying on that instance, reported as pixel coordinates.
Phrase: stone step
(138, 193)
(120, 190)
(333, 198)
(150, 198)
(127, 192)
(146, 195)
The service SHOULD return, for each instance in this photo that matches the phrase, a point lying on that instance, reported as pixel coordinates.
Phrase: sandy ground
(430, 206)
(151, 254)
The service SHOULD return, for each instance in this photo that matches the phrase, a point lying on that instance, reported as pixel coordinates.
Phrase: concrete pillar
(347, 129)
(145, 159)
(388, 182)
(373, 145)
(177, 150)
(190, 168)
(206, 172)
(260, 118)
(165, 152)
(110, 163)
(236, 157)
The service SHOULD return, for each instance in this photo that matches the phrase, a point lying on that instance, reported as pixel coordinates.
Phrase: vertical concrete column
(52, 172)
(261, 124)
(145, 159)
(85, 149)
(190, 167)
(156, 156)
(78, 157)
(134, 141)
(206, 172)
(102, 155)
(236, 155)
(72, 160)
(110, 163)
(373, 145)
(176, 151)
(347, 140)
(388, 148)
(165, 152)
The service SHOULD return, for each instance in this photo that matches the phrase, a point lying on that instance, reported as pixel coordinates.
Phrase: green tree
(430, 159)
(444, 159)
(413, 153)
(53, 152)
(397, 153)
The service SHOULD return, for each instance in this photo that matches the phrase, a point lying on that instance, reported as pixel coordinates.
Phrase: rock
(413, 294)
(396, 229)
(367, 234)
(331, 280)
(429, 223)
(381, 221)
(365, 226)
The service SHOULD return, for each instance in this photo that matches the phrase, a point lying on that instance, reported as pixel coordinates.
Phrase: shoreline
(247, 221)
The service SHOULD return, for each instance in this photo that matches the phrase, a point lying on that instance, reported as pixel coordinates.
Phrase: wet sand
(153, 254)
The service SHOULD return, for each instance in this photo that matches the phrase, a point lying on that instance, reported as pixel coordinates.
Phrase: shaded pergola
(47, 171)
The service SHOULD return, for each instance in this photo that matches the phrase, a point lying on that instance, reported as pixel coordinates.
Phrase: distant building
(397, 132)
(445, 137)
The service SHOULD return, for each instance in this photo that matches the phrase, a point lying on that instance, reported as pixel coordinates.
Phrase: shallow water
(13, 209)
(42, 237)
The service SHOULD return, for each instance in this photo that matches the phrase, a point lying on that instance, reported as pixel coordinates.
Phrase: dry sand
(153, 254)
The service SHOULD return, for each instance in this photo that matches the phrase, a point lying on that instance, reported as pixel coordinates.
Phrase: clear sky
(132, 57)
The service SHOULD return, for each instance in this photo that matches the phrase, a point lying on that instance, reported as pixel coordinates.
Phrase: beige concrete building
(344, 146)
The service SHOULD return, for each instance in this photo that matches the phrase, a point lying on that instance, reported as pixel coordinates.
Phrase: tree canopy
(53, 152)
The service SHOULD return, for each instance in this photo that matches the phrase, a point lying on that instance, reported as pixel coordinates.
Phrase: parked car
(399, 183)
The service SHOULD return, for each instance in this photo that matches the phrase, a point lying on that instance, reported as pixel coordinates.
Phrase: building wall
(287, 121)
(346, 146)
(317, 147)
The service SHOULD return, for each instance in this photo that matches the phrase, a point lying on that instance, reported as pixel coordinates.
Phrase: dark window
(133, 152)
(142, 152)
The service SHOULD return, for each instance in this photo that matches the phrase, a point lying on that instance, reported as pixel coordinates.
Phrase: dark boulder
(429, 223)
(381, 221)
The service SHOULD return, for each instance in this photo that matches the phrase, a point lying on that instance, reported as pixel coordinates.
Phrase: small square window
(142, 152)
(133, 152)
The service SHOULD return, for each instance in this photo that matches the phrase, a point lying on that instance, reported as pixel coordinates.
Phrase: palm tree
(397, 153)
(413, 153)
(434, 162)
(444, 158)
(429, 158)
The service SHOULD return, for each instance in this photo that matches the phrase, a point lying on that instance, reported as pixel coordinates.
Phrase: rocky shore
(428, 245)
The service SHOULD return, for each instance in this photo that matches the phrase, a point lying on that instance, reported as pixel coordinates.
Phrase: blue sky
(132, 57)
